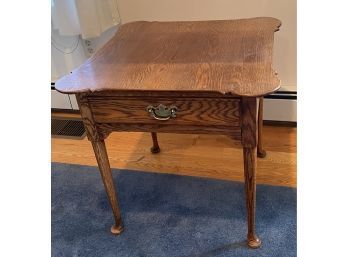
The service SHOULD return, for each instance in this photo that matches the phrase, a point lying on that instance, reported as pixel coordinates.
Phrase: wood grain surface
(105, 172)
(249, 154)
(96, 137)
(225, 57)
(107, 128)
(212, 156)
(233, 58)
(249, 123)
(249, 111)
(191, 111)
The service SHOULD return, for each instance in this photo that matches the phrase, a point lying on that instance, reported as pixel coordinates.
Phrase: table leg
(249, 154)
(155, 147)
(105, 171)
(97, 139)
(260, 151)
(249, 106)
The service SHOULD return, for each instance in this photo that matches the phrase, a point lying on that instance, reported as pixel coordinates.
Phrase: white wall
(284, 10)
(61, 63)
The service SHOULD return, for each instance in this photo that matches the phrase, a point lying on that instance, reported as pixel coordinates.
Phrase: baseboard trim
(55, 110)
(281, 96)
(286, 92)
(286, 95)
(279, 123)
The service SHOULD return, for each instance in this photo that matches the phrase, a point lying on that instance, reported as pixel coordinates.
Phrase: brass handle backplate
(162, 112)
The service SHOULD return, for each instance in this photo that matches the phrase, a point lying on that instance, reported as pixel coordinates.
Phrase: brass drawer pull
(162, 112)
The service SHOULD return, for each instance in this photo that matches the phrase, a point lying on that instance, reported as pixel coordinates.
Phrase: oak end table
(179, 77)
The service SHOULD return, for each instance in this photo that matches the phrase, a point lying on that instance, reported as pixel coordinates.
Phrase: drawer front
(182, 111)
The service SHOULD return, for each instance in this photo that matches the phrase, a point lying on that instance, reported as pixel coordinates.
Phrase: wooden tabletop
(227, 57)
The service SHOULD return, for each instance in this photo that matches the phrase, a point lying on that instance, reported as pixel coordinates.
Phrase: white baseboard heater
(281, 106)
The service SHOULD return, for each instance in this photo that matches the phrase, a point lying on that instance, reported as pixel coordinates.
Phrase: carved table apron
(181, 77)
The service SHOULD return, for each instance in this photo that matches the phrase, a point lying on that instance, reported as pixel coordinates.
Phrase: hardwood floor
(194, 155)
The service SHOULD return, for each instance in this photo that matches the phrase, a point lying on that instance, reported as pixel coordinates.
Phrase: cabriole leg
(249, 154)
(249, 108)
(155, 147)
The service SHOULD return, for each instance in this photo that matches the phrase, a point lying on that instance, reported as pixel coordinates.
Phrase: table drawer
(182, 111)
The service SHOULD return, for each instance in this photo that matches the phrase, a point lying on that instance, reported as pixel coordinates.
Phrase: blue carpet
(166, 215)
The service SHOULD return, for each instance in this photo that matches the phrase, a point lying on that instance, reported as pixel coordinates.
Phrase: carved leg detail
(250, 190)
(155, 148)
(261, 153)
(105, 171)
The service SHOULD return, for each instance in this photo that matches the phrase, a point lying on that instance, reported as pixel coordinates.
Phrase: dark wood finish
(212, 72)
(249, 123)
(260, 151)
(226, 57)
(155, 147)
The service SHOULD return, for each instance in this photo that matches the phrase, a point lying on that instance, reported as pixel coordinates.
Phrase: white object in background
(73, 102)
(61, 63)
(64, 17)
(280, 109)
(89, 18)
(96, 16)
(60, 101)
(67, 53)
